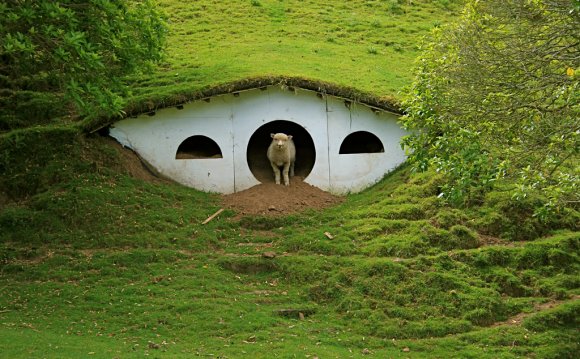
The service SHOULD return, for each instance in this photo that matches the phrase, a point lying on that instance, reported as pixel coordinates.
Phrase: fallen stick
(213, 216)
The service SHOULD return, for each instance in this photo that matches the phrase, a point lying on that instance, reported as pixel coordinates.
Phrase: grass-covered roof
(361, 49)
(347, 92)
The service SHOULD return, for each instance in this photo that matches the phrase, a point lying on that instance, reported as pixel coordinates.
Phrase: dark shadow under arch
(361, 142)
(258, 147)
(198, 147)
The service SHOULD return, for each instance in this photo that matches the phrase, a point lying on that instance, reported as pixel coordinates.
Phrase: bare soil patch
(270, 199)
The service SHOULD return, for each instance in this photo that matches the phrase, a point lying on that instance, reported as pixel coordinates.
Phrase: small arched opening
(258, 147)
(361, 142)
(198, 147)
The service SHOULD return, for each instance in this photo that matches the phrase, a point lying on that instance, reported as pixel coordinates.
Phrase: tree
(497, 98)
(69, 57)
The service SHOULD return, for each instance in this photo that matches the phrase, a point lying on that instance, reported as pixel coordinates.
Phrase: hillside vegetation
(99, 258)
(366, 44)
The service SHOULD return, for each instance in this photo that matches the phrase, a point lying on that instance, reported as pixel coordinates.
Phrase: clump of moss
(448, 217)
(464, 237)
(248, 265)
(565, 315)
(503, 216)
(29, 108)
(27, 166)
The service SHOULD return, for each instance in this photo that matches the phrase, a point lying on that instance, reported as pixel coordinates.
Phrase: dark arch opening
(197, 147)
(361, 142)
(258, 147)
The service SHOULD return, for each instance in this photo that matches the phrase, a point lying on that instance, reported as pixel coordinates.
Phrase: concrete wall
(231, 120)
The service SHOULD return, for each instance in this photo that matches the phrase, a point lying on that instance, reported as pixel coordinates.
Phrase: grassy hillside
(366, 44)
(100, 259)
(105, 264)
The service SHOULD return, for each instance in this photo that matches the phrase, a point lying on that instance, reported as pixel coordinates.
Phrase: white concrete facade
(231, 120)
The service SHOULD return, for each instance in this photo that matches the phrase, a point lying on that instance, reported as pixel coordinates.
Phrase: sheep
(282, 153)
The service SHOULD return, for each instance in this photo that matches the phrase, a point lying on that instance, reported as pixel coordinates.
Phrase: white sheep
(282, 153)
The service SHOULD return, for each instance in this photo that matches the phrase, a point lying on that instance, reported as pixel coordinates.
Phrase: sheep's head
(280, 139)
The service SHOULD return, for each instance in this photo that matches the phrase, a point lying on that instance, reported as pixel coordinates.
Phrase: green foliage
(133, 257)
(507, 217)
(496, 97)
(400, 265)
(70, 57)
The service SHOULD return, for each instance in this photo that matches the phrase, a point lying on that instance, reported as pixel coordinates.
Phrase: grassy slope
(107, 265)
(366, 44)
(97, 263)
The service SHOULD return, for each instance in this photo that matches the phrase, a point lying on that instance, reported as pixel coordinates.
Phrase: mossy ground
(97, 263)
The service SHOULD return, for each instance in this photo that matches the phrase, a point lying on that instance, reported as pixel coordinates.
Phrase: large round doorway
(260, 140)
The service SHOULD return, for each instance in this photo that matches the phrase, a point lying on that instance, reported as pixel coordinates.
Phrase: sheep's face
(280, 140)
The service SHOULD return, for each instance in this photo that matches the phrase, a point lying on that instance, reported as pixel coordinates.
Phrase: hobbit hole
(260, 140)
(220, 145)
(361, 142)
(198, 147)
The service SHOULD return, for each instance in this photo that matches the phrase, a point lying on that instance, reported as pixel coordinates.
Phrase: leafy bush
(504, 216)
(77, 58)
(486, 105)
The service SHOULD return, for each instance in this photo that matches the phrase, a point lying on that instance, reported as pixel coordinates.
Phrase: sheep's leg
(276, 172)
(292, 169)
(285, 170)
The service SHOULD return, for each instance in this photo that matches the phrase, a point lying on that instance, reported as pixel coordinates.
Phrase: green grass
(95, 262)
(368, 45)
(98, 263)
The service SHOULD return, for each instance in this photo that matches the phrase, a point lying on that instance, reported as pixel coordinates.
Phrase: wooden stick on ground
(213, 216)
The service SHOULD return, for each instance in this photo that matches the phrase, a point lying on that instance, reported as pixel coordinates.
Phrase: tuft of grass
(372, 50)
(565, 315)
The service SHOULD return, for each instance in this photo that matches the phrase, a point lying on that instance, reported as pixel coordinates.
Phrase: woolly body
(282, 153)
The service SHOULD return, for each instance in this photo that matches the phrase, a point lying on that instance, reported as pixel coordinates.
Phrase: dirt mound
(270, 199)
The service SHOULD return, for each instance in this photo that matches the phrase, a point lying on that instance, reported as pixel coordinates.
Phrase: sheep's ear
(289, 137)
(272, 135)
